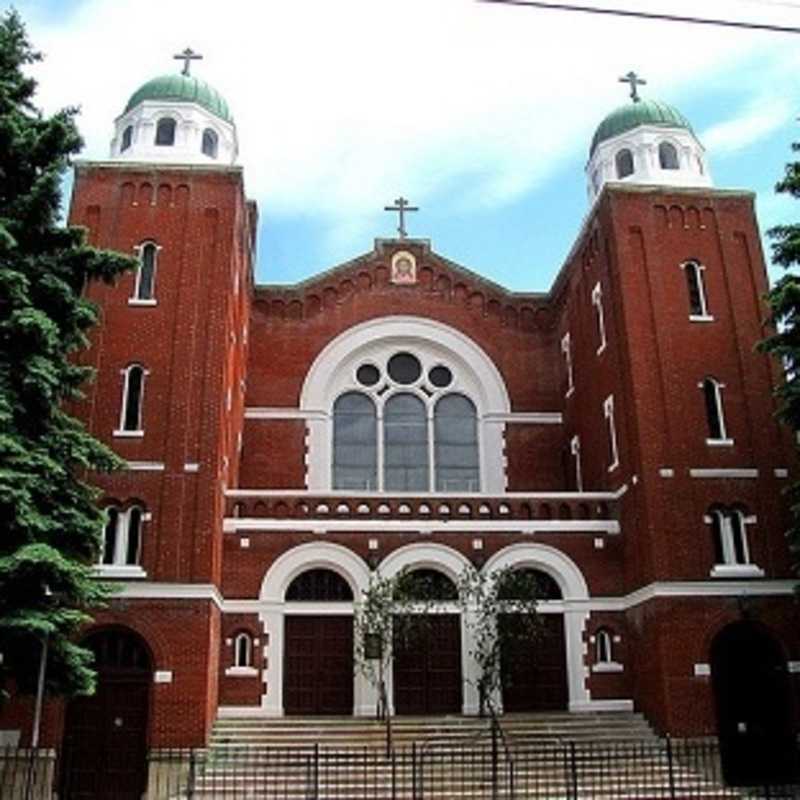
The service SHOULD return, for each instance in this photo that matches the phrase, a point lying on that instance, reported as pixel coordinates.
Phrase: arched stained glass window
(521, 583)
(455, 435)
(165, 132)
(405, 444)
(319, 585)
(355, 442)
(624, 163)
(668, 156)
(427, 584)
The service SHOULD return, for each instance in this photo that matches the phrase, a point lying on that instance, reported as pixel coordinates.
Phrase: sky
(481, 114)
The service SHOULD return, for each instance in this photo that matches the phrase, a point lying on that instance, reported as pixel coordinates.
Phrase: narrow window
(134, 530)
(597, 302)
(715, 419)
(165, 132)
(405, 448)
(729, 532)
(146, 273)
(566, 349)
(698, 306)
(604, 648)
(455, 439)
(624, 163)
(667, 156)
(110, 535)
(718, 535)
(210, 143)
(613, 453)
(127, 139)
(242, 650)
(575, 450)
(741, 553)
(122, 538)
(132, 390)
(355, 442)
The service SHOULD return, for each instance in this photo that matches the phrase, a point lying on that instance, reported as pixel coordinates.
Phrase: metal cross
(187, 56)
(634, 80)
(401, 206)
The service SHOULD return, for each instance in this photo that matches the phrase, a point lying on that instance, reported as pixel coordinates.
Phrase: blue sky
(480, 114)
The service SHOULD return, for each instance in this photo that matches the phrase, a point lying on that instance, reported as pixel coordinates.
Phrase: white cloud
(758, 120)
(342, 106)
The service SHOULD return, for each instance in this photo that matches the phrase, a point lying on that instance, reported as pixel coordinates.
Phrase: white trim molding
(145, 466)
(738, 473)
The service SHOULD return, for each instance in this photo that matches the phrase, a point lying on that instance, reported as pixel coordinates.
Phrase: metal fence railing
(470, 770)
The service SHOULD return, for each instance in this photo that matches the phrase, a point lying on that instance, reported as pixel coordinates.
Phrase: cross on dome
(187, 56)
(635, 81)
(401, 206)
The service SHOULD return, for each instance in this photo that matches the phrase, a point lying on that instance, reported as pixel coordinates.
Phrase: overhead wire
(622, 12)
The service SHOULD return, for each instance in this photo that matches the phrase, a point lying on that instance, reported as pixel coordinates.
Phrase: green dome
(632, 115)
(182, 88)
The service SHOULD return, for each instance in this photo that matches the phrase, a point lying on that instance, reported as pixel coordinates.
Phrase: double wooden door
(318, 665)
(427, 666)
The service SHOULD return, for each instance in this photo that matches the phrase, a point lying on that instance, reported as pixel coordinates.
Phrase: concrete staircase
(615, 755)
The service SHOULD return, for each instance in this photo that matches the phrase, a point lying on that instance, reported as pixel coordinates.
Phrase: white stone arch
(575, 592)
(425, 556)
(333, 373)
(273, 609)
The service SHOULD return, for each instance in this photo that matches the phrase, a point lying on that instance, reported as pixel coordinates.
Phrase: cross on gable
(187, 56)
(635, 81)
(401, 206)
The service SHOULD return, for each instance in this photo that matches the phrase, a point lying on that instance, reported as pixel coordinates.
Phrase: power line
(622, 12)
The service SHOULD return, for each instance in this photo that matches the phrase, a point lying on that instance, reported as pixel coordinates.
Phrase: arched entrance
(534, 668)
(754, 706)
(318, 650)
(427, 652)
(105, 735)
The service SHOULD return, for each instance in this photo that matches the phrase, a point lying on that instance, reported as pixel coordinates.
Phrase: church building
(284, 443)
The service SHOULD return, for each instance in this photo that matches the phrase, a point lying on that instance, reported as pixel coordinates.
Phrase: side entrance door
(427, 667)
(535, 673)
(105, 735)
(318, 665)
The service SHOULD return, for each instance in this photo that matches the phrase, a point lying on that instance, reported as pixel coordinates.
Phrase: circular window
(368, 375)
(404, 368)
(440, 377)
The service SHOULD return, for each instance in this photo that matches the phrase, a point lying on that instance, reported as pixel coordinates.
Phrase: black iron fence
(540, 770)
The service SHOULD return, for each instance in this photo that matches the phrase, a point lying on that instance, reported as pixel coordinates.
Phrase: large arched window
(405, 444)
(210, 144)
(455, 436)
(132, 395)
(165, 132)
(319, 585)
(144, 289)
(355, 445)
(668, 156)
(624, 163)
(122, 536)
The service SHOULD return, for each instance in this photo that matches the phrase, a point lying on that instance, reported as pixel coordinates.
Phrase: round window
(368, 375)
(404, 368)
(440, 377)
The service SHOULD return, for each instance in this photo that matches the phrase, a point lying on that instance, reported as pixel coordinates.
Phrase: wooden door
(105, 735)
(318, 665)
(427, 667)
(535, 673)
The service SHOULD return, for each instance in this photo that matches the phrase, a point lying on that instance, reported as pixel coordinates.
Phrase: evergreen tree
(50, 525)
(784, 302)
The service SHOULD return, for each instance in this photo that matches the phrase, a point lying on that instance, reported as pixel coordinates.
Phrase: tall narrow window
(122, 537)
(355, 443)
(575, 450)
(566, 349)
(127, 139)
(165, 132)
(405, 448)
(604, 647)
(613, 453)
(455, 428)
(110, 535)
(134, 538)
(597, 302)
(243, 650)
(729, 532)
(624, 163)
(715, 418)
(132, 393)
(210, 143)
(144, 289)
(668, 156)
(698, 305)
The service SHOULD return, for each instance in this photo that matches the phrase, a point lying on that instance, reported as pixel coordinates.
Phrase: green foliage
(784, 343)
(50, 524)
(499, 611)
